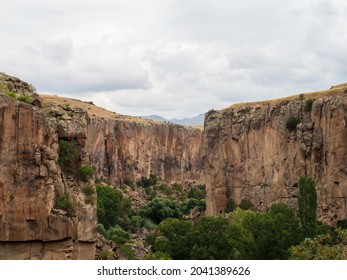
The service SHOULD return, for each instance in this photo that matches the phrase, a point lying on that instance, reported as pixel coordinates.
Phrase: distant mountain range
(197, 120)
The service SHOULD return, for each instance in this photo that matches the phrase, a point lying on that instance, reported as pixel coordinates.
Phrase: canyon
(246, 151)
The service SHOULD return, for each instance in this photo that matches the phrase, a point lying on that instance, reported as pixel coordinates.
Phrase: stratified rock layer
(250, 153)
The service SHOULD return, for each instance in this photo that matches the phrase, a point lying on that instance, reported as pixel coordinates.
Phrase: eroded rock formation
(121, 147)
(30, 183)
(32, 225)
(250, 153)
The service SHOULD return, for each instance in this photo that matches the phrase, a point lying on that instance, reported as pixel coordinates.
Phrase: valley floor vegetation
(169, 232)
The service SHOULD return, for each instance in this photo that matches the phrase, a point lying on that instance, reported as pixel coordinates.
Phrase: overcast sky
(175, 58)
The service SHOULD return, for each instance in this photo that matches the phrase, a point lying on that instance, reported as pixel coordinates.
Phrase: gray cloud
(176, 58)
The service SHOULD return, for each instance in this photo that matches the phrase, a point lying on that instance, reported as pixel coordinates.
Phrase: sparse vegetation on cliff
(65, 203)
(292, 123)
(85, 172)
(68, 152)
(25, 98)
(147, 182)
(308, 104)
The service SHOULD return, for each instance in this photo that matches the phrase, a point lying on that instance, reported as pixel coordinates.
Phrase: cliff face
(30, 182)
(250, 153)
(121, 147)
(32, 224)
(246, 152)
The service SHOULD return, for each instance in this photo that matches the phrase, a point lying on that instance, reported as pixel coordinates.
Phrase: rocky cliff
(258, 151)
(44, 213)
(123, 147)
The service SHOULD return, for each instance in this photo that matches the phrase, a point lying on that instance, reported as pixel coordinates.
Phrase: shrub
(308, 104)
(209, 112)
(68, 152)
(65, 203)
(165, 189)
(129, 183)
(148, 191)
(147, 182)
(160, 209)
(319, 248)
(189, 205)
(101, 229)
(202, 204)
(88, 190)
(198, 192)
(292, 122)
(10, 86)
(106, 255)
(98, 181)
(11, 94)
(32, 88)
(85, 172)
(127, 251)
(178, 188)
(245, 204)
(118, 235)
(25, 98)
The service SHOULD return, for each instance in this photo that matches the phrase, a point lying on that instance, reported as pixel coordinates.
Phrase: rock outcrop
(252, 152)
(31, 182)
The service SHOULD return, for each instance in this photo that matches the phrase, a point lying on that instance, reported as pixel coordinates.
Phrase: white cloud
(176, 58)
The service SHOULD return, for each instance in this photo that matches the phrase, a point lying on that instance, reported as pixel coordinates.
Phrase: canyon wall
(246, 151)
(32, 182)
(250, 153)
(121, 147)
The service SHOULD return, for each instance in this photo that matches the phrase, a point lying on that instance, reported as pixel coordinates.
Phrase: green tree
(159, 209)
(210, 238)
(307, 205)
(240, 241)
(175, 239)
(112, 207)
(273, 232)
